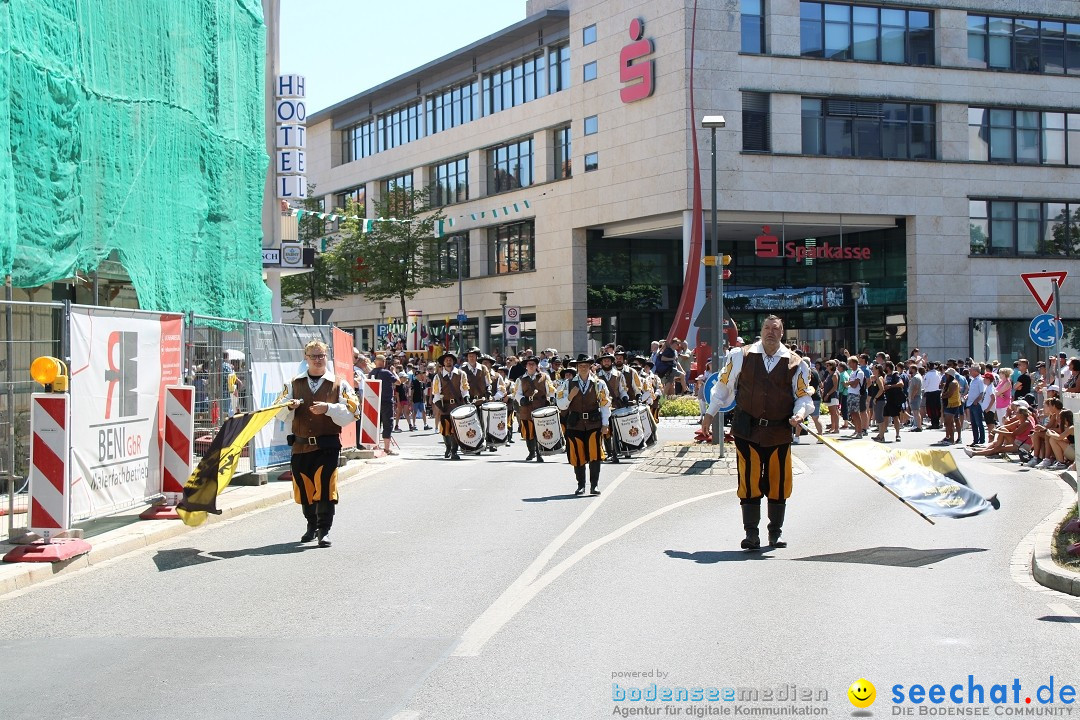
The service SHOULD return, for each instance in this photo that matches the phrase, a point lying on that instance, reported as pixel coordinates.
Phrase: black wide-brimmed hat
(606, 356)
(583, 358)
(474, 349)
(486, 358)
(567, 372)
(446, 355)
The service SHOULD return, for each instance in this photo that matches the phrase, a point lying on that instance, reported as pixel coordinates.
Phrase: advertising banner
(120, 365)
(343, 370)
(277, 356)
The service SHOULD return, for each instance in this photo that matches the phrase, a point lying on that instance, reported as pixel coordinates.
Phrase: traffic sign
(1045, 330)
(710, 383)
(1041, 285)
(461, 318)
(382, 329)
(513, 332)
(513, 314)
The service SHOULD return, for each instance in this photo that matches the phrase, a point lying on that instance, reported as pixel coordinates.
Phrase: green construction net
(136, 126)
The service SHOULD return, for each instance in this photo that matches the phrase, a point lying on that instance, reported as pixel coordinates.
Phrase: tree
(397, 257)
(325, 281)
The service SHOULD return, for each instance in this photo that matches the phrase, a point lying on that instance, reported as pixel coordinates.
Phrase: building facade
(894, 166)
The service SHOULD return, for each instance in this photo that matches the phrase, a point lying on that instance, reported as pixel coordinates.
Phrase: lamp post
(856, 294)
(712, 122)
(460, 301)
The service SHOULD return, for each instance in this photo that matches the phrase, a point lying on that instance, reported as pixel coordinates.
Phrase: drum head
(462, 412)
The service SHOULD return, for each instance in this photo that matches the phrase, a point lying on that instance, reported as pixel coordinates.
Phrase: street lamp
(712, 122)
(460, 299)
(856, 294)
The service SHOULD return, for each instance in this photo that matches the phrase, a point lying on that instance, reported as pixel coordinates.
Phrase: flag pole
(867, 473)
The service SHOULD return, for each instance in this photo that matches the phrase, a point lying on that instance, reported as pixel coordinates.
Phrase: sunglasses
(316, 357)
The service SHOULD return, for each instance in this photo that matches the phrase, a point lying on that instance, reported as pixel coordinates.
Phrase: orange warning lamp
(50, 372)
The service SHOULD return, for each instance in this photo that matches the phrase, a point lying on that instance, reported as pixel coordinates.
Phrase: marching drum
(648, 424)
(549, 437)
(494, 414)
(629, 432)
(467, 429)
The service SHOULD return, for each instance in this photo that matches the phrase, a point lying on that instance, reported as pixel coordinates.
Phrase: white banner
(120, 365)
(277, 356)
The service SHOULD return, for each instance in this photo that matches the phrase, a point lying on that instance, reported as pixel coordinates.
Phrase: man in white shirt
(931, 386)
(973, 405)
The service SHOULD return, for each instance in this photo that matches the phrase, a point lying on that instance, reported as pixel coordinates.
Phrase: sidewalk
(122, 533)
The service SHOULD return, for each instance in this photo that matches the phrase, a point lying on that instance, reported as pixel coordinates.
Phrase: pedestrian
(774, 396)
(932, 395)
(915, 396)
(321, 405)
(974, 403)
(449, 391)
(855, 384)
(417, 395)
(1003, 391)
(532, 392)
(386, 399)
(619, 396)
(585, 401)
(830, 395)
(894, 401)
(952, 407)
(875, 400)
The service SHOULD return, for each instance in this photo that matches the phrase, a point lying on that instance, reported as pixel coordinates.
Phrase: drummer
(496, 391)
(616, 386)
(651, 387)
(587, 404)
(478, 376)
(449, 390)
(507, 390)
(533, 391)
(630, 375)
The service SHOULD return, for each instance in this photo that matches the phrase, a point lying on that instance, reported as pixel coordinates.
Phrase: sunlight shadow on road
(893, 556)
(708, 557)
(187, 557)
(1068, 619)
(555, 497)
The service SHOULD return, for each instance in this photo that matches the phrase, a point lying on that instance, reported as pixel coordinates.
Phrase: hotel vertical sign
(290, 113)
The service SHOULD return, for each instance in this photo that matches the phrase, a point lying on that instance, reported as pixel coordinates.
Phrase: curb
(142, 533)
(1045, 571)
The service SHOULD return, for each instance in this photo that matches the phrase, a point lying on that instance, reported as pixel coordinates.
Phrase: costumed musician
(533, 391)
(449, 390)
(585, 400)
(620, 398)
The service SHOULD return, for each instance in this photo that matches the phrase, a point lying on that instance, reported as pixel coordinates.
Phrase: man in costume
(478, 376)
(507, 390)
(321, 405)
(585, 400)
(770, 389)
(449, 390)
(532, 392)
(619, 397)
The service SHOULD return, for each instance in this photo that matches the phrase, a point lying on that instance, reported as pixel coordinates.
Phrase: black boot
(309, 534)
(751, 516)
(609, 448)
(531, 445)
(594, 477)
(449, 447)
(579, 473)
(454, 449)
(776, 523)
(539, 455)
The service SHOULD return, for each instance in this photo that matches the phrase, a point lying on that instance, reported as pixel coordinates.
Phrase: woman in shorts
(1063, 444)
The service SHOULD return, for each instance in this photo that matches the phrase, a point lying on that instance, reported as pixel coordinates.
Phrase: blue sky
(344, 47)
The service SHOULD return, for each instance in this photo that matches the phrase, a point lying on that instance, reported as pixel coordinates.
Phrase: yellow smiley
(861, 693)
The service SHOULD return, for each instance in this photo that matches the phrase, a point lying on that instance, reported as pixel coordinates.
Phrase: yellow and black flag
(216, 468)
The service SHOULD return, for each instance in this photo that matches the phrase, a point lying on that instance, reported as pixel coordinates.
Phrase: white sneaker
(795, 440)
(1032, 462)
(1059, 466)
(1045, 464)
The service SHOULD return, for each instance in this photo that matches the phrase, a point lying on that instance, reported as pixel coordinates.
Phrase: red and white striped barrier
(177, 450)
(369, 416)
(50, 482)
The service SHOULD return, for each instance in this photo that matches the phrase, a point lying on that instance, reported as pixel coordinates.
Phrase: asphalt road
(483, 589)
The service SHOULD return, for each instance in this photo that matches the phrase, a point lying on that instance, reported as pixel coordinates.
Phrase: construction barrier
(369, 417)
(177, 451)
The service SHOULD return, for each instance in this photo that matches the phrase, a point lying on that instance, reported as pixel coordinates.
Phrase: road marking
(526, 587)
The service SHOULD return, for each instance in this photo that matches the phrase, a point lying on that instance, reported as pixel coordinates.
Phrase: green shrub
(684, 406)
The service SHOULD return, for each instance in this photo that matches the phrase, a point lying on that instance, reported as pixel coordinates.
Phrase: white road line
(524, 589)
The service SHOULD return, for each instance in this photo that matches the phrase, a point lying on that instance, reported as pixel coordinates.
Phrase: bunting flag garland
(441, 226)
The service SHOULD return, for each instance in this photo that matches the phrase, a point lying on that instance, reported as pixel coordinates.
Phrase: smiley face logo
(862, 693)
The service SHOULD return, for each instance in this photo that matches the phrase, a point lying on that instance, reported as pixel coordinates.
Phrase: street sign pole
(1057, 314)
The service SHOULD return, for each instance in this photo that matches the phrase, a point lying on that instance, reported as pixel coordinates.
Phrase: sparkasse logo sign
(768, 246)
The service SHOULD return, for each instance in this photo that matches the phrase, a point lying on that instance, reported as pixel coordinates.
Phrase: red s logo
(642, 72)
(766, 245)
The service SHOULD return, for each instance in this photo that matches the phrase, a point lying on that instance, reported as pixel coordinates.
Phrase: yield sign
(1041, 285)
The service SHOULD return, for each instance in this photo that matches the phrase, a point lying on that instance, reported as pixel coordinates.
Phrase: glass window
(1053, 47)
(519, 82)
(592, 162)
(860, 128)
(451, 107)
(752, 21)
(1000, 31)
(755, 122)
(511, 248)
(920, 37)
(562, 153)
(1026, 45)
(893, 31)
(356, 195)
(399, 126)
(1072, 48)
(591, 125)
(450, 182)
(1002, 228)
(837, 31)
(400, 184)
(978, 134)
(1072, 139)
(979, 226)
(588, 35)
(813, 127)
(358, 141)
(588, 71)
(923, 140)
(1053, 138)
(1056, 234)
(1027, 137)
(865, 33)
(811, 31)
(510, 166)
(976, 40)
(894, 131)
(1028, 228)
(1002, 133)
(444, 256)
(559, 68)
